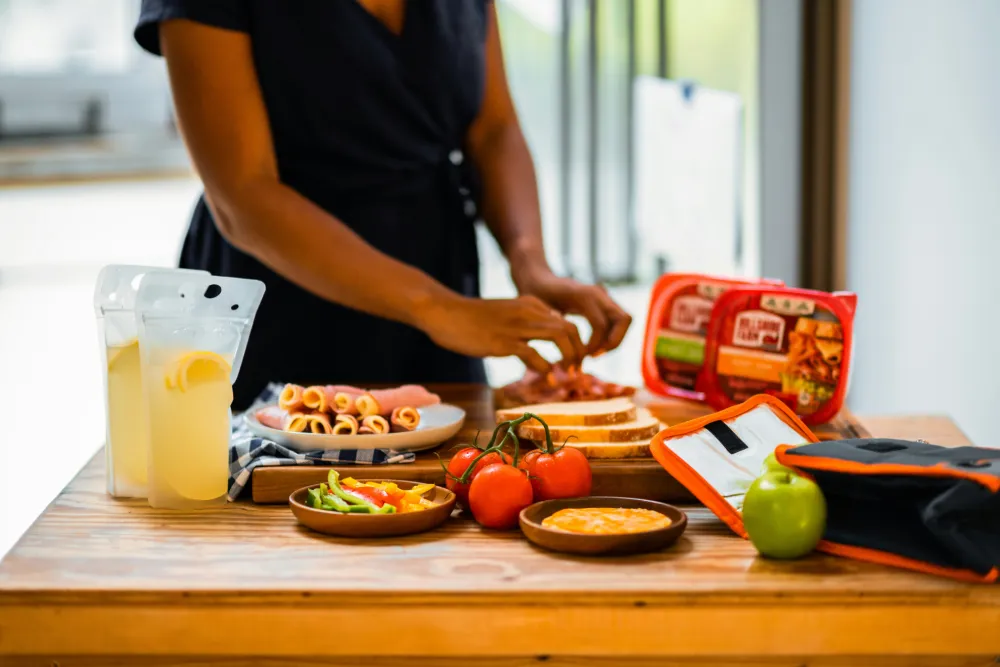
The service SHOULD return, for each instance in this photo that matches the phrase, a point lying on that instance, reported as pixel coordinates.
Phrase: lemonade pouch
(193, 331)
(118, 336)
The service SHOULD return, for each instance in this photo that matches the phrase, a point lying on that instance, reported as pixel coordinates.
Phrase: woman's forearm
(318, 252)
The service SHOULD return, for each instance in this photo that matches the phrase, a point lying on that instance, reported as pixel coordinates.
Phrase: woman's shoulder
(226, 14)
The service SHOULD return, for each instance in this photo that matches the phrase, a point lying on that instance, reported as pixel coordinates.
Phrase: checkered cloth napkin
(247, 451)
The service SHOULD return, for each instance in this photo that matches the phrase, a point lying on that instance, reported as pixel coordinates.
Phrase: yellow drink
(189, 395)
(127, 436)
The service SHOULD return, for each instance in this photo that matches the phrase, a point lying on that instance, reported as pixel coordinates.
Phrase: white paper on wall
(688, 152)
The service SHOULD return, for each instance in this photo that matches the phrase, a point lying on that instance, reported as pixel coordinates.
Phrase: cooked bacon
(562, 385)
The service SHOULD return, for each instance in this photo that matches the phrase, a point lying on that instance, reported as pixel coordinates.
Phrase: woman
(345, 147)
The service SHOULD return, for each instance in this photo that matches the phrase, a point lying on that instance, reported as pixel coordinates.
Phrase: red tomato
(498, 494)
(460, 462)
(565, 474)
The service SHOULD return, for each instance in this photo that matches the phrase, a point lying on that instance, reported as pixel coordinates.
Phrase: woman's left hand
(608, 321)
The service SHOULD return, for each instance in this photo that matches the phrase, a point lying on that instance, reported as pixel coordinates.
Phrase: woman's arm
(223, 120)
(224, 123)
(512, 212)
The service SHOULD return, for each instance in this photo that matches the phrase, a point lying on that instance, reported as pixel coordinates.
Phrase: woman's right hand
(502, 328)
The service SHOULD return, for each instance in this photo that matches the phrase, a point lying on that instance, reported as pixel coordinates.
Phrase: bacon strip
(405, 419)
(384, 401)
(345, 425)
(291, 398)
(562, 385)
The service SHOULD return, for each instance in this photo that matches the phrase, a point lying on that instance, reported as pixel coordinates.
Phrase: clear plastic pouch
(193, 331)
(124, 410)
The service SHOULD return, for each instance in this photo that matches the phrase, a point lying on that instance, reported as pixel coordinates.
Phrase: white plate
(438, 423)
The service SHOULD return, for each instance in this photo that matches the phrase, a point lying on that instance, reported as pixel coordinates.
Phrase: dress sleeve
(226, 14)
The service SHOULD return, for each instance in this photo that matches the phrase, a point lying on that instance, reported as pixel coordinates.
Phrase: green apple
(771, 465)
(784, 514)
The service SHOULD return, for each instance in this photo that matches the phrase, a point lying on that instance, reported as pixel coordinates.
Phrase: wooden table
(102, 582)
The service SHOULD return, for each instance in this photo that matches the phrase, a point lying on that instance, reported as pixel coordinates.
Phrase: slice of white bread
(612, 450)
(579, 413)
(643, 427)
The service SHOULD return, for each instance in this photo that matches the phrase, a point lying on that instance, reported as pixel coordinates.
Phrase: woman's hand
(608, 322)
(502, 328)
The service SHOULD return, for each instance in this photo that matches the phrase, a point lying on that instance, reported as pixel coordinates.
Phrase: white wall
(924, 212)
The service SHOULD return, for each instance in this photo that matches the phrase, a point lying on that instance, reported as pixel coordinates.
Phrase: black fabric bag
(908, 504)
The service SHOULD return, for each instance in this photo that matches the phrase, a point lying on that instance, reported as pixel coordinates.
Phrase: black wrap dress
(370, 126)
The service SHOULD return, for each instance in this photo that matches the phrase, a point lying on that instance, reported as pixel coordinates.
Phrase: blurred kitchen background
(831, 143)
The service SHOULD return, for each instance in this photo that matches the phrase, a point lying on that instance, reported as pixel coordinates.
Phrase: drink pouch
(193, 331)
(794, 344)
(679, 312)
(118, 336)
(909, 505)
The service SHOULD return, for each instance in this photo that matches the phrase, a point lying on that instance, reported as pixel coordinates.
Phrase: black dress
(369, 126)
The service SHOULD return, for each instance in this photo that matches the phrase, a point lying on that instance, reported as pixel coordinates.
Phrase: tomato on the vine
(563, 474)
(460, 462)
(498, 494)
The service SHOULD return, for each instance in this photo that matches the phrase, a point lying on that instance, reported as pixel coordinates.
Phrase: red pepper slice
(376, 496)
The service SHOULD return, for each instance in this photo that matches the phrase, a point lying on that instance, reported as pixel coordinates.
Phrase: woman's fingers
(532, 359)
(619, 322)
(543, 323)
(567, 337)
(593, 311)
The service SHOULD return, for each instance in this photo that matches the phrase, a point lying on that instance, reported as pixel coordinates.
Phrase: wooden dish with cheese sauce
(603, 525)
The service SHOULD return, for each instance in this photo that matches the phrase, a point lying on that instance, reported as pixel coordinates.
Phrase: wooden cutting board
(632, 477)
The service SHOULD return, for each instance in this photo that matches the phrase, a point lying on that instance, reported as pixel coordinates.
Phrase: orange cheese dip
(606, 520)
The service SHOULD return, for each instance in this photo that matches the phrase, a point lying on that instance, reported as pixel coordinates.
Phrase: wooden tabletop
(97, 581)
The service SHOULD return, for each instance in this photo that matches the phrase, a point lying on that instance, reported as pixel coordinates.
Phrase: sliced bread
(612, 450)
(580, 413)
(643, 427)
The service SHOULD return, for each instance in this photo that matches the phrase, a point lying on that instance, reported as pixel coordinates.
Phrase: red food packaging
(679, 311)
(793, 344)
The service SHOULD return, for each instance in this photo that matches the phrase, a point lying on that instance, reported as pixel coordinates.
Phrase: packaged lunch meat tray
(793, 344)
(679, 313)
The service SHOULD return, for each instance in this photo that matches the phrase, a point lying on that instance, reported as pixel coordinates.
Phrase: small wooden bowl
(601, 545)
(369, 525)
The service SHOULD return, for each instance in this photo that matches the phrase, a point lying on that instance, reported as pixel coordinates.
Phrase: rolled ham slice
(384, 401)
(273, 417)
(405, 419)
(315, 398)
(297, 423)
(290, 398)
(345, 425)
(344, 398)
(319, 423)
(376, 424)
